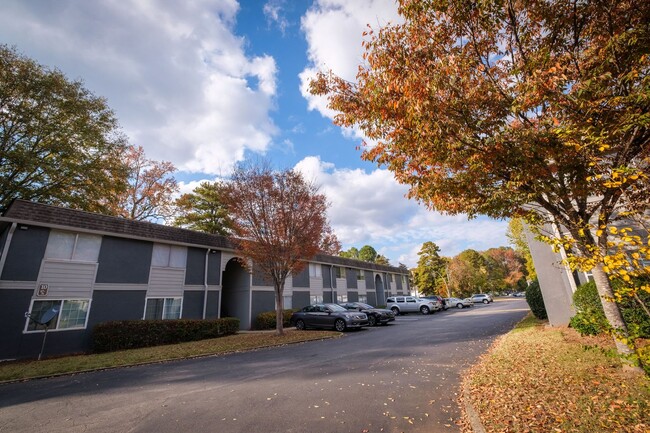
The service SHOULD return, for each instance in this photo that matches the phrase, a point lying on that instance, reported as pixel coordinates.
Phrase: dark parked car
(376, 316)
(328, 316)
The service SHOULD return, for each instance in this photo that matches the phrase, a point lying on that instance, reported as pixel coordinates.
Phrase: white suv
(411, 304)
(481, 297)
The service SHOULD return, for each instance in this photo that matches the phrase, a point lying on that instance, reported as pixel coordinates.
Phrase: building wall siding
(25, 254)
(67, 279)
(262, 301)
(302, 278)
(12, 320)
(300, 299)
(124, 261)
(195, 268)
(351, 278)
(166, 282)
(192, 305)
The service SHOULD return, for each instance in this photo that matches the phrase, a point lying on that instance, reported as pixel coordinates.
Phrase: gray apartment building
(94, 268)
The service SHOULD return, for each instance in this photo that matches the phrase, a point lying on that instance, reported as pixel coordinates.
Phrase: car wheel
(395, 310)
(339, 325)
(485, 301)
(372, 320)
(424, 309)
(300, 325)
(460, 306)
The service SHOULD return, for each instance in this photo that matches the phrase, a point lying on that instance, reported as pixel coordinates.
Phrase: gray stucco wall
(327, 273)
(192, 304)
(195, 269)
(372, 298)
(260, 278)
(262, 301)
(124, 261)
(214, 268)
(554, 282)
(25, 253)
(300, 299)
(12, 320)
(302, 278)
(351, 277)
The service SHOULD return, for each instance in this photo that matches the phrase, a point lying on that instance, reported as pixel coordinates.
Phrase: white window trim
(58, 316)
(164, 298)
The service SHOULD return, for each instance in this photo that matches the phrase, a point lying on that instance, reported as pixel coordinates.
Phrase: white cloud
(175, 73)
(273, 12)
(371, 208)
(334, 29)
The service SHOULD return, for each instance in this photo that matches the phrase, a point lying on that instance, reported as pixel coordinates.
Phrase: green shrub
(536, 301)
(266, 320)
(131, 334)
(590, 317)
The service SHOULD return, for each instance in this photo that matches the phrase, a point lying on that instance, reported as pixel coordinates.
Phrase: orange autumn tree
(278, 220)
(150, 188)
(513, 108)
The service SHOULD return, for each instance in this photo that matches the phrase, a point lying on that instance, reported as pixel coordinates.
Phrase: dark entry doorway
(236, 293)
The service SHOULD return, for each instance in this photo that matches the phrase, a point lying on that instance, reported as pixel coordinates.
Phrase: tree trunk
(279, 311)
(624, 345)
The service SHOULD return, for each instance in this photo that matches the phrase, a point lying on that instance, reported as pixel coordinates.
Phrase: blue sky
(208, 83)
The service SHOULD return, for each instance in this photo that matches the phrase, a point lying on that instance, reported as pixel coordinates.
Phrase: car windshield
(335, 307)
(364, 306)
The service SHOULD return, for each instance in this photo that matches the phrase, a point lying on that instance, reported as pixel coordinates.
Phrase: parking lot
(400, 377)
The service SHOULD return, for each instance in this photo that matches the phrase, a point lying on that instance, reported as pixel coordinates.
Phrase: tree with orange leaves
(279, 220)
(537, 109)
(150, 187)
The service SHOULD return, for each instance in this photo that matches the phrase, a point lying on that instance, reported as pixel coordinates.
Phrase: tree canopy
(150, 188)
(536, 109)
(279, 220)
(431, 271)
(203, 210)
(59, 143)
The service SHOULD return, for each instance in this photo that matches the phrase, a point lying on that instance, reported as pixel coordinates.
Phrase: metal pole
(43, 345)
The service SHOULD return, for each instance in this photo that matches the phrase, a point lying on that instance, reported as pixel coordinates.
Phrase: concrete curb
(472, 415)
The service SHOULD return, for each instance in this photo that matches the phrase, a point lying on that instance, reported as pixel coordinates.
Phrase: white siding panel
(166, 282)
(67, 279)
(361, 285)
(341, 283)
(316, 283)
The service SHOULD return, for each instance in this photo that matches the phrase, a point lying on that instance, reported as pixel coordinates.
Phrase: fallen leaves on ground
(541, 379)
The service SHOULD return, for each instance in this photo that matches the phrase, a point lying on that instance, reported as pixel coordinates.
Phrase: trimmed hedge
(536, 301)
(266, 319)
(132, 334)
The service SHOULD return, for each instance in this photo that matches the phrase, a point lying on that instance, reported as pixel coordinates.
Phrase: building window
(340, 272)
(316, 299)
(342, 298)
(404, 281)
(168, 256)
(315, 270)
(163, 308)
(361, 275)
(72, 314)
(73, 246)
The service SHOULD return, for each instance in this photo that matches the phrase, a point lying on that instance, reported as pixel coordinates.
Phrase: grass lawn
(542, 379)
(217, 346)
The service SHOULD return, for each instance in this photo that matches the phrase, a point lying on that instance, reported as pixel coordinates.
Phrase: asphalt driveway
(398, 378)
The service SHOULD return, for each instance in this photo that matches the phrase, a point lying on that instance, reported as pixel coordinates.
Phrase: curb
(472, 415)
